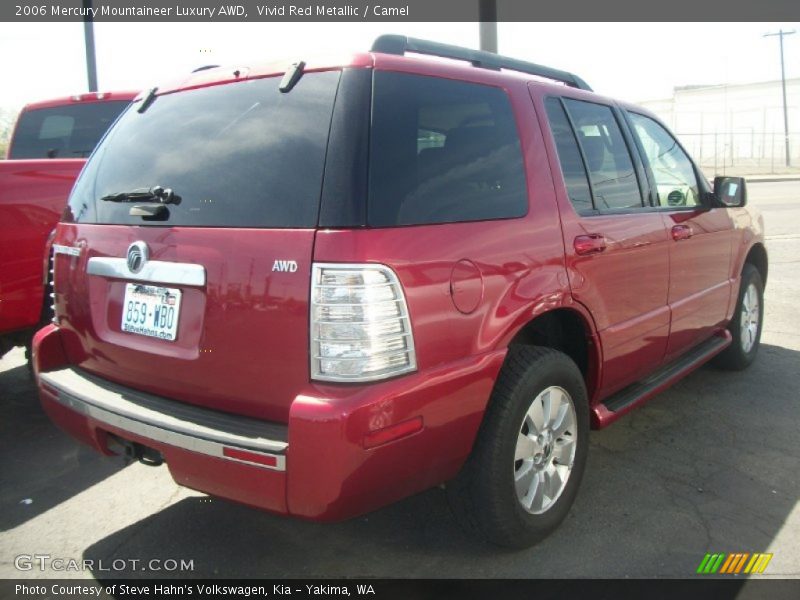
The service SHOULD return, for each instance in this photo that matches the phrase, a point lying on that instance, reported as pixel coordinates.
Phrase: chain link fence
(747, 152)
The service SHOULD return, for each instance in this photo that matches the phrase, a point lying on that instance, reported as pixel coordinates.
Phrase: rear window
(69, 131)
(442, 151)
(236, 155)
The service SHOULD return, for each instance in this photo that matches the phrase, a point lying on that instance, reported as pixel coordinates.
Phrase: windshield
(235, 155)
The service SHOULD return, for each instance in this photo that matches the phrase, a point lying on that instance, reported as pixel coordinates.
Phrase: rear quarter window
(442, 151)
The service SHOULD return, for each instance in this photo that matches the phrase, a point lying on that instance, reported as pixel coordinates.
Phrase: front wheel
(745, 327)
(527, 463)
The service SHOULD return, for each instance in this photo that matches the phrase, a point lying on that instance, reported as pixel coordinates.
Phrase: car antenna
(291, 77)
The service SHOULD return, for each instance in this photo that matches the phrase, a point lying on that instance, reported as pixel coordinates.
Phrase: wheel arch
(757, 256)
(568, 330)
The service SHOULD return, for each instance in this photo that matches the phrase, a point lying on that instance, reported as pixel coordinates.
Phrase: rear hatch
(194, 222)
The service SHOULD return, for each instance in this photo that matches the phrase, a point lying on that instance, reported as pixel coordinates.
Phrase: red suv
(319, 290)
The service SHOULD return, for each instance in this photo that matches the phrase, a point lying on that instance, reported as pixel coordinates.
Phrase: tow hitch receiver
(132, 451)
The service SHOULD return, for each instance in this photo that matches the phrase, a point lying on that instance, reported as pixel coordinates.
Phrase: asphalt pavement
(711, 465)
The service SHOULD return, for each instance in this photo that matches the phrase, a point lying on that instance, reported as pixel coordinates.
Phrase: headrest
(472, 140)
(594, 150)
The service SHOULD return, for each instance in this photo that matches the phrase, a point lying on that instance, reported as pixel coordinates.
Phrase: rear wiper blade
(291, 77)
(152, 194)
(151, 97)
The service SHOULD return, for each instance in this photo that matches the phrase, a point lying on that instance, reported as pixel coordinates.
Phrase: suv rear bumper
(346, 449)
(159, 420)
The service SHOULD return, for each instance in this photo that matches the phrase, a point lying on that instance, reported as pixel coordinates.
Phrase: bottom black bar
(405, 589)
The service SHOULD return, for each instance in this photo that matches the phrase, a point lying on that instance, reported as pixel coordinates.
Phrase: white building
(737, 126)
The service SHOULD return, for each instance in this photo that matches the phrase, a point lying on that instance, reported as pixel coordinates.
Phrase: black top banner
(395, 10)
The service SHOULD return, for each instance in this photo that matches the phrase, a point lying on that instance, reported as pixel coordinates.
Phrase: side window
(673, 172)
(611, 171)
(569, 156)
(442, 151)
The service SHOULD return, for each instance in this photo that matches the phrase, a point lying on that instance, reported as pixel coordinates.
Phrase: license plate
(151, 311)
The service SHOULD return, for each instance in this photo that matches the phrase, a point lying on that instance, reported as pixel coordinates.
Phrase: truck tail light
(51, 289)
(360, 327)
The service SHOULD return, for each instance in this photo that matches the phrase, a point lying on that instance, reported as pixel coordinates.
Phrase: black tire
(735, 357)
(483, 496)
(29, 358)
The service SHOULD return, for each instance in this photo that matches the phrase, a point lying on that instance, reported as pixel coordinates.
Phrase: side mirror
(730, 191)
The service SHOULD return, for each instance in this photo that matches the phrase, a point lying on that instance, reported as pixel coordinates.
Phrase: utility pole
(487, 14)
(780, 33)
(88, 38)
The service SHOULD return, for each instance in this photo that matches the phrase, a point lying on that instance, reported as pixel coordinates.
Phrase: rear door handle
(681, 232)
(594, 243)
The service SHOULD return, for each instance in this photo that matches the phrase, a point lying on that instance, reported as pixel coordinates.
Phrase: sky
(629, 61)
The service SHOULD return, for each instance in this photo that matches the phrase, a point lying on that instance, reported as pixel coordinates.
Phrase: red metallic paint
(48, 351)
(329, 474)
(699, 285)
(466, 286)
(748, 232)
(232, 73)
(85, 98)
(242, 343)
(392, 433)
(625, 289)
(33, 196)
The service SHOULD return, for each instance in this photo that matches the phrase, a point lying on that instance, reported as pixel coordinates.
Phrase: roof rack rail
(400, 44)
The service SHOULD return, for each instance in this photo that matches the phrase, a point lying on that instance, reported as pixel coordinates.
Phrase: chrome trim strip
(68, 250)
(153, 271)
(164, 429)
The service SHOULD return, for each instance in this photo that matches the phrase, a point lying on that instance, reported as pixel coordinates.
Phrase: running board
(640, 392)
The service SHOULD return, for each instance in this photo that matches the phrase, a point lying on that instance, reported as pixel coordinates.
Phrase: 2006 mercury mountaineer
(319, 290)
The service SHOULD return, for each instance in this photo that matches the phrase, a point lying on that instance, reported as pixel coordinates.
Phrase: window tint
(613, 178)
(673, 172)
(70, 131)
(569, 156)
(442, 151)
(238, 155)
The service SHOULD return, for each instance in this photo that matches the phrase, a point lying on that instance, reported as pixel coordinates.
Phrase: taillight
(360, 327)
(90, 96)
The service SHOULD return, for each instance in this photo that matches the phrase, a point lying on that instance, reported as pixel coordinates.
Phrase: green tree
(8, 117)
